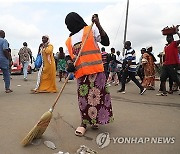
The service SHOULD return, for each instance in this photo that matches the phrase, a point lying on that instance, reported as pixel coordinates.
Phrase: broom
(45, 119)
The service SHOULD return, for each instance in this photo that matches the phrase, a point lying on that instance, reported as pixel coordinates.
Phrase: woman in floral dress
(93, 96)
(94, 99)
(148, 62)
(61, 64)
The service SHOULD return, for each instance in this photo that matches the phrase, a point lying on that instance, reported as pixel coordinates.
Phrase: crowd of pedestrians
(118, 69)
(121, 69)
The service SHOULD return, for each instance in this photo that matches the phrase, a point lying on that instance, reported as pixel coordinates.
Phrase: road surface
(143, 124)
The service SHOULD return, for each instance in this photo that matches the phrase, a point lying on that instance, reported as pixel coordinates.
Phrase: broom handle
(79, 54)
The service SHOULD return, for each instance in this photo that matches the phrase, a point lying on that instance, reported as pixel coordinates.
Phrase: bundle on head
(170, 30)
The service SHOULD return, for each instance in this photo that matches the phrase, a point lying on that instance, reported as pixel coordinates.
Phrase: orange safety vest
(90, 60)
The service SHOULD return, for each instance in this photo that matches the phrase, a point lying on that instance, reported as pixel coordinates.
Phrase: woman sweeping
(93, 96)
(46, 81)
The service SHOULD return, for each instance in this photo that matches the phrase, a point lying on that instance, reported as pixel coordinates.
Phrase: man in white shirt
(119, 61)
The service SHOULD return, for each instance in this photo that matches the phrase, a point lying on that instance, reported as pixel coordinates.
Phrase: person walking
(10, 60)
(93, 96)
(170, 65)
(148, 63)
(61, 64)
(140, 69)
(25, 55)
(56, 59)
(46, 80)
(119, 61)
(105, 61)
(130, 68)
(4, 61)
(113, 69)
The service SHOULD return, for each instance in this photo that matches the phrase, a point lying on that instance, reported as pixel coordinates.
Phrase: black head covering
(74, 23)
(151, 54)
(154, 59)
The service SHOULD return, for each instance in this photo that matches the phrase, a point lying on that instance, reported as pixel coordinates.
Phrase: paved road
(142, 123)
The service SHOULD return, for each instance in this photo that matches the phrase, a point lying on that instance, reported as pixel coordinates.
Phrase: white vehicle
(17, 67)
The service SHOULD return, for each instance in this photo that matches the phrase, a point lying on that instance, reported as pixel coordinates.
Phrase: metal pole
(125, 30)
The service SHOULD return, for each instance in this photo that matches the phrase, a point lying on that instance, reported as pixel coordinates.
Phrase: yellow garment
(48, 76)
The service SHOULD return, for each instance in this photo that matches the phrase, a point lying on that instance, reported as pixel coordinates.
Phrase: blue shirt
(4, 62)
(131, 56)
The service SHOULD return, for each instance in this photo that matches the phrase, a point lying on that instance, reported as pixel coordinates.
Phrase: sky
(28, 20)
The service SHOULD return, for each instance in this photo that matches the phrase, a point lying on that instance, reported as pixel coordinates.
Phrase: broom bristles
(38, 129)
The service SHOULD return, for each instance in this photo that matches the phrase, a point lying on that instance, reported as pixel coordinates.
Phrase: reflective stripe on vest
(90, 61)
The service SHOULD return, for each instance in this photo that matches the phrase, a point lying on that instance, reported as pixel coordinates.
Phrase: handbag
(38, 61)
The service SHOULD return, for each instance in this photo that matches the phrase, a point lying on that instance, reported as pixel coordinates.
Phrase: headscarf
(74, 23)
(150, 53)
(47, 38)
(45, 45)
(150, 46)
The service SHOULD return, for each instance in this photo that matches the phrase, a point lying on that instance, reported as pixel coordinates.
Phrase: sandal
(161, 94)
(95, 126)
(8, 91)
(150, 88)
(34, 92)
(80, 131)
(170, 92)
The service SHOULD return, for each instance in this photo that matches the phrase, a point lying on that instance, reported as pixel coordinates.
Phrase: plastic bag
(50, 144)
(71, 77)
(38, 61)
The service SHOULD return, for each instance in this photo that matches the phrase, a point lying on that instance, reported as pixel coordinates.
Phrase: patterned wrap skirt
(94, 99)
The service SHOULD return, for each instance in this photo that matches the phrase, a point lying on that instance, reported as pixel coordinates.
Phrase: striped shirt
(104, 57)
(130, 55)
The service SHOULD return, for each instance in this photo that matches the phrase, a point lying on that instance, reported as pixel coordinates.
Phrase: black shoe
(142, 91)
(121, 91)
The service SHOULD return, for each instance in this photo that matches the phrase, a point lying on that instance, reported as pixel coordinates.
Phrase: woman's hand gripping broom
(38, 130)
